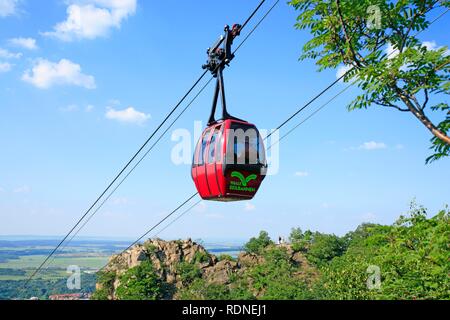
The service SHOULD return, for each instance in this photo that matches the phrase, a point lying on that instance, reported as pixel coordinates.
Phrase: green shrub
(257, 245)
(300, 241)
(225, 257)
(325, 247)
(275, 278)
(201, 257)
(151, 248)
(188, 272)
(140, 283)
(200, 289)
(412, 256)
(106, 281)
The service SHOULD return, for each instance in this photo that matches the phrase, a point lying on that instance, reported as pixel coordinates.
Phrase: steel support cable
(301, 123)
(131, 170)
(165, 131)
(289, 119)
(135, 156)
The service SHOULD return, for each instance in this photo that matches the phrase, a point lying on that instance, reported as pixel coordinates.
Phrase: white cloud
(5, 54)
(5, 67)
(26, 43)
(391, 51)
(249, 206)
(430, 45)
(70, 108)
(372, 145)
(342, 70)
(89, 108)
(301, 174)
(399, 146)
(433, 46)
(128, 115)
(46, 74)
(22, 189)
(92, 18)
(8, 7)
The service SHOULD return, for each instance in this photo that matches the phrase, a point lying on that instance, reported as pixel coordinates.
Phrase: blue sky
(78, 97)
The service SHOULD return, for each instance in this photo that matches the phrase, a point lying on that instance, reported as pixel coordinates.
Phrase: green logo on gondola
(244, 181)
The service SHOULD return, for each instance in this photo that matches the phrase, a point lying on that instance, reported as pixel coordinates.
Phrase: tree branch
(387, 104)
(416, 102)
(426, 100)
(413, 20)
(422, 117)
(347, 38)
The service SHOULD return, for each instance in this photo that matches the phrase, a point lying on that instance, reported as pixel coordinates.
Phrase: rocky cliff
(166, 257)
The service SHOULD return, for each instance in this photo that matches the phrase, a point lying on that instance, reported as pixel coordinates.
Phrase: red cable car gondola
(229, 161)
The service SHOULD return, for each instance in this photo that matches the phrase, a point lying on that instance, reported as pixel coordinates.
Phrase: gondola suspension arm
(218, 58)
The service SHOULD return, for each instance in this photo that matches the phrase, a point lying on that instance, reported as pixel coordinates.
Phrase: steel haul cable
(174, 121)
(167, 226)
(115, 179)
(194, 205)
(278, 128)
(308, 117)
(132, 169)
(137, 153)
(161, 136)
(165, 131)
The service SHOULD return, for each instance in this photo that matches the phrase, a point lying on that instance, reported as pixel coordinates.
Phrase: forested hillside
(406, 260)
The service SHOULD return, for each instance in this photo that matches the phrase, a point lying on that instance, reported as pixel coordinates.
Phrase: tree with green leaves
(105, 289)
(140, 283)
(256, 245)
(319, 248)
(412, 257)
(324, 248)
(300, 241)
(376, 42)
(277, 277)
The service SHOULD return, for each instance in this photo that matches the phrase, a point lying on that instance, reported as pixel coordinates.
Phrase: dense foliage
(200, 289)
(276, 279)
(105, 280)
(406, 260)
(42, 288)
(412, 257)
(318, 247)
(256, 245)
(140, 283)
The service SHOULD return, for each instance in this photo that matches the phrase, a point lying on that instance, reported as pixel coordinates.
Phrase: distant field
(31, 262)
(19, 258)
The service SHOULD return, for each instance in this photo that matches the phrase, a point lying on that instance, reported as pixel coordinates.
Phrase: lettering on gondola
(242, 184)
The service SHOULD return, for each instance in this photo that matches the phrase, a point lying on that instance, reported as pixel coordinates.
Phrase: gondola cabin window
(244, 145)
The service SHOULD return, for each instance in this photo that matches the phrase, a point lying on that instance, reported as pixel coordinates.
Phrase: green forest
(406, 260)
(42, 288)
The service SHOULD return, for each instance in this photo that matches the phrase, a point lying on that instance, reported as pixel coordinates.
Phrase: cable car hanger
(229, 162)
(218, 59)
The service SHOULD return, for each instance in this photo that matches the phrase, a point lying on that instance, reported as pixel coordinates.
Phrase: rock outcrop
(166, 256)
